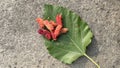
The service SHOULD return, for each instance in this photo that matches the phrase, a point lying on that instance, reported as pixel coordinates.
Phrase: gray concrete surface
(22, 47)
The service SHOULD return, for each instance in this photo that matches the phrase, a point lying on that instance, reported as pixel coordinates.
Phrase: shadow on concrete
(92, 50)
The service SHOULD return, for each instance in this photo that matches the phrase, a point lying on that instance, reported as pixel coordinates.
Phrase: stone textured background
(22, 47)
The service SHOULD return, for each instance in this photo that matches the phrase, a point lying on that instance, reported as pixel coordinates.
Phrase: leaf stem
(92, 60)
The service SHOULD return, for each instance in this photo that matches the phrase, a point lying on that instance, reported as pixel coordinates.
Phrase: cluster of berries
(50, 29)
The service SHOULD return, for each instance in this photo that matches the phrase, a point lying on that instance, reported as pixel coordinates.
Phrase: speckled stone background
(22, 47)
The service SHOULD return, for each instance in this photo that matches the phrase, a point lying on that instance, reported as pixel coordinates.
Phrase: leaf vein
(76, 45)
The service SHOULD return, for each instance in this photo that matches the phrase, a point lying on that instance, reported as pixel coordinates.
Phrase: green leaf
(72, 45)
